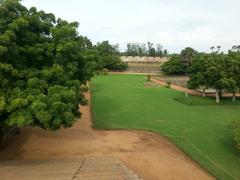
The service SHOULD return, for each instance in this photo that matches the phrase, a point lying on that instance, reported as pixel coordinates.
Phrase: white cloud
(174, 23)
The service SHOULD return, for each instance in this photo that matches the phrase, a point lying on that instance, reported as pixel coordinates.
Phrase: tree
(151, 49)
(109, 57)
(218, 71)
(198, 73)
(233, 70)
(187, 56)
(140, 49)
(212, 48)
(159, 50)
(43, 65)
(132, 49)
(165, 52)
(173, 66)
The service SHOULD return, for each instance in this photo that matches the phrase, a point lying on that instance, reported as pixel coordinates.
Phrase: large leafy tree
(216, 70)
(233, 73)
(173, 66)
(109, 57)
(43, 64)
(198, 73)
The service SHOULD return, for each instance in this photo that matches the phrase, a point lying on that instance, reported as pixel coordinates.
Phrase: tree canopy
(216, 70)
(44, 63)
(174, 65)
(109, 57)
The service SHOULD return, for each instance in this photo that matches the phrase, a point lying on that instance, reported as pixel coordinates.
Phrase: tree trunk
(220, 93)
(204, 92)
(217, 96)
(17, 130)
(234, 97)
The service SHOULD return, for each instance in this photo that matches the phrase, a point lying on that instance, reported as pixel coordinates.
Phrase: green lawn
(202, 130)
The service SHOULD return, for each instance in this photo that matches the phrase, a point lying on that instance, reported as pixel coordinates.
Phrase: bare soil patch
(176, 80)
(151, 156)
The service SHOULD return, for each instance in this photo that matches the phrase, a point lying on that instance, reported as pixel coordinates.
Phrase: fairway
(203, 131)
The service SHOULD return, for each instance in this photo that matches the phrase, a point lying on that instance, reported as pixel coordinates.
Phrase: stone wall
(144, 59)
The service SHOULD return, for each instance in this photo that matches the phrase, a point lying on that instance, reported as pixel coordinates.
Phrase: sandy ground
(149, 155)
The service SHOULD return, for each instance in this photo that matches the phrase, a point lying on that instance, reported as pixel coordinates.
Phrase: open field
(201, 130)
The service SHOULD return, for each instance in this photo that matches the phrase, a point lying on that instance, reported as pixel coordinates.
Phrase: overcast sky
(173, 23)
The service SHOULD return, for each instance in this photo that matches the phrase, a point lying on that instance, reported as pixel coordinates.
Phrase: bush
(148, 77)
(104, 71)
(168, 84)
(117, 66)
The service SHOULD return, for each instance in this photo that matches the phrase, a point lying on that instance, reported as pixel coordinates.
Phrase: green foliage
(168, 85)
(217, 71)
(43, 64)
(180, 63)
(187, 56)
(173, 66)
(109, 57)
(148, 77)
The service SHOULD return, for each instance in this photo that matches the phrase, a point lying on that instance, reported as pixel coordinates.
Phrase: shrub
(148, 77)
(168, 84)
(117, 65)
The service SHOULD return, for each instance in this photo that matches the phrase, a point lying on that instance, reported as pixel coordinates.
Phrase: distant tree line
(44, 65)
(142, 49)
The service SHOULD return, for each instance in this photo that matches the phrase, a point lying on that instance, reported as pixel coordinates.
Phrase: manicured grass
(202, 130)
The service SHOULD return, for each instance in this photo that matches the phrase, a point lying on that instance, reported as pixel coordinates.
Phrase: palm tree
(234, 47)
(218, 48)
(238, 48)
(212, 48)
(187, 55)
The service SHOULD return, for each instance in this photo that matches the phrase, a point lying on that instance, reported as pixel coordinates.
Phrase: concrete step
(104, 168)
(98, 168)
(114, 177)
(50, 169)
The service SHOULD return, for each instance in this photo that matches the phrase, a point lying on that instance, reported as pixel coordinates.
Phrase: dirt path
(190, 91)
(133, 73)
(149, 155)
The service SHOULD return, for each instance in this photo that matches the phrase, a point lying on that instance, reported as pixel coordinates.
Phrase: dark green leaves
(43, 64)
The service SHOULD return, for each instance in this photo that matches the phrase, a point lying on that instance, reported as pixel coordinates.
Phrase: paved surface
(95, 168)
